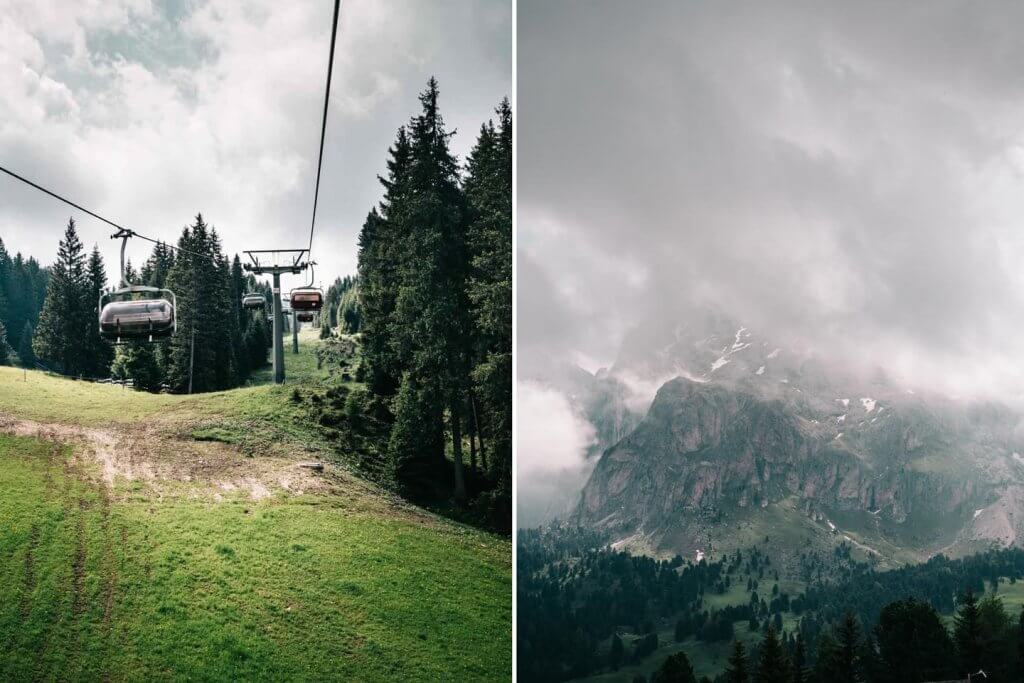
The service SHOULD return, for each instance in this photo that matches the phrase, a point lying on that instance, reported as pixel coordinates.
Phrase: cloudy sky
(148, 111)
(851, 174)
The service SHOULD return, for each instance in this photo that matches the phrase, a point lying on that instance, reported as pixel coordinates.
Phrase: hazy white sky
(148, 111)
(849, 174)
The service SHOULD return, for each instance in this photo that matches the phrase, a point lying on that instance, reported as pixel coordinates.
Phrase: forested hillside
(586, 609)
(435, 313)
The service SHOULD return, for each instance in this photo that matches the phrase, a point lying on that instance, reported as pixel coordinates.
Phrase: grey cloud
(847, 174)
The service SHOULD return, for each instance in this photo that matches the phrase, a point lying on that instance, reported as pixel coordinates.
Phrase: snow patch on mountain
(868, 403)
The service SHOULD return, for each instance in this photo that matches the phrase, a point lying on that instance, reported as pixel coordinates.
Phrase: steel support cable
(323, 125)
(95, 215)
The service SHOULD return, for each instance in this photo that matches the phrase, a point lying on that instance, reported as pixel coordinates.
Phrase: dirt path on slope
(149, 457)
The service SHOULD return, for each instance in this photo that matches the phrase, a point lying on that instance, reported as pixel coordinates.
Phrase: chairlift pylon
(136, 312)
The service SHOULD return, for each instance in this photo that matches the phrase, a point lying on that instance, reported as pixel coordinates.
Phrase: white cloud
(149, 112)
(551, 445)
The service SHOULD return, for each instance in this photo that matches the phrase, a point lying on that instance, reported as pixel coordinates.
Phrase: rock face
(897, 474)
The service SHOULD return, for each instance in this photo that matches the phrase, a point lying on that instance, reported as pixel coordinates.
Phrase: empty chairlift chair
(307, 299)
(137, 313)
(304, 317)
(254, 302)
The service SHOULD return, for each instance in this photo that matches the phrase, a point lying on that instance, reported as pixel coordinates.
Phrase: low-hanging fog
(849, 176)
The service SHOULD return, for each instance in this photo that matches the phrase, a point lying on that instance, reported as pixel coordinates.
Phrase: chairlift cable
(323, 125)
(94, 215)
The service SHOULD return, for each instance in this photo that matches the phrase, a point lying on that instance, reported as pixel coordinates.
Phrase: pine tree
(431, 311)
(801, 674)
(489, 196)
(967, 633)
(5, 348)
(63, 322)
(772, 664)
(615, 653)
(737, 669)
(137, 362)
(675, 669)
(25, 353)
(99, 352)
(1020, 644)
(840, 656)
(200, 280)
(382, 248)
(5, 268)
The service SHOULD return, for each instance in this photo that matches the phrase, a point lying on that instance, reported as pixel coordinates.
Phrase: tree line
(909, 643)
(584, 608)
(23, 284)
(435, 311)
(217, 342)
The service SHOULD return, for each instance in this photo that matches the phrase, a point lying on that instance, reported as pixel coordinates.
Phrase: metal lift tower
(276, 262)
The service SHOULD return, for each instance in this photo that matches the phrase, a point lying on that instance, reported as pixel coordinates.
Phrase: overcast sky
(848, 173)
(149, 112)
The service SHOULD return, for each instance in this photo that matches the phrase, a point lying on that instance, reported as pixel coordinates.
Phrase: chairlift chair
(254, 302)
(307, 299)
(305, 317)
(137, 313)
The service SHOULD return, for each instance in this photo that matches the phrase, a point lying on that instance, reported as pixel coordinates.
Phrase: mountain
(750, 440)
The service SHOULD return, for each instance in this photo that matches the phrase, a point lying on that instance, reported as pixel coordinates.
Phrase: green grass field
(193, 578)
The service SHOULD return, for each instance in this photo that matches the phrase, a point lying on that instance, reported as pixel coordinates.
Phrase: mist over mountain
(743, 435)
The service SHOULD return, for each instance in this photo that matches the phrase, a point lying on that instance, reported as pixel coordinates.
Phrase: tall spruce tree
(675, 669)
(64, 320)
(967, 633)
(801, 674)
(431, 311)
(99, 352)
(489, 195)
(912, 643)
(382, 245)
(772, 662)
(200, 350)
(5, 269)
(25, 353)
(137, 361)
(6, 352)
(1019, 637)
(737, 669)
